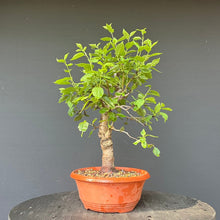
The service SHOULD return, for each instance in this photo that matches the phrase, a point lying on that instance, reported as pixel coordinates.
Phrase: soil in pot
(118, 173)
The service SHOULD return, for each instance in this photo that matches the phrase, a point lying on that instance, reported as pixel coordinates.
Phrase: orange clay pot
(110, 194)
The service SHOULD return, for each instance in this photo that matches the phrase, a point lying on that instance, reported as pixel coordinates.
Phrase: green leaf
(155, 43)
(136, 142)
(126, 34)
(106, 39)
(69, 103)
(86, 66)
(86, 77)
(114, 100)
(63, 98)
(155, 61)
(147, 48)
(112, 116)
(79, 46)
(131, 51)
(77, 56)
(91, 132)
(112, 89)
(60, 60)
(136, 44)
(63, 81)
(148, 41)
(151, 100)
(164, 115)
(71, 111)
(139, 58)
(67, 91)
(93, 46)
(148, 86)
(157, 108)
(121, 115)
(150, 145)
(98, 92)
(78, 117)
(129, 45)
(121, 39)
(162, 105)
(144, 143)
(155, 93)
(150, 127)
(153, 136)
(140, 95)
(156, 70)
(139, 103)
(148, 118)
(94, 120)
(120, 50)
(143, 132)
(108, 101)
(67, 71)
(83, 126)
(103, 110)
(114, 42)
(136, 38)
(154, 54)
(141, 112)
(132, 33)
(156, 152)
(143, 31)
(109, 28)
(65, 56)
(168, 109)
(147, 74)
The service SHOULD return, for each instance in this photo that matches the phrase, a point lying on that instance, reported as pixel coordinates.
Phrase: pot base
(110, 208)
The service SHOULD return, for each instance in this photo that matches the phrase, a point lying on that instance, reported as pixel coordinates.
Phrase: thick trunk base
(108, 170)
(105, 135)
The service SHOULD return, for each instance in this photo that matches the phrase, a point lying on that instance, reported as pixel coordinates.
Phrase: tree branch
(133, 117)
(125, 132)
(131, 79)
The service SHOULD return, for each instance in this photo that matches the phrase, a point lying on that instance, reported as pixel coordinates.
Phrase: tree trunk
(105, 135)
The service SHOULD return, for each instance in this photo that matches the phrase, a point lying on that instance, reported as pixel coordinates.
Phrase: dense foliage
(114, 72)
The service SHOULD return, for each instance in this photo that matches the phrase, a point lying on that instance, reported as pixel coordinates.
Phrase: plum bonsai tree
(114, 74)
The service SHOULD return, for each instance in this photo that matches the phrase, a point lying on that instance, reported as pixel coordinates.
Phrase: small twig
(125, 132)
(127, 107)
(71, 78)
(94, 127)
(130, 80)
(108, 90)
(132, 116)
(122, 96)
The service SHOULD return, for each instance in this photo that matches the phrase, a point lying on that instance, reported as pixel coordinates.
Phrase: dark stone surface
(152, 206)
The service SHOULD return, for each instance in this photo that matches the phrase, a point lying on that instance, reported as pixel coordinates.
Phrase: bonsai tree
(115, 82)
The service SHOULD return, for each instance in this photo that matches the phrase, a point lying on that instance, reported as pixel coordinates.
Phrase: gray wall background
(40, 144)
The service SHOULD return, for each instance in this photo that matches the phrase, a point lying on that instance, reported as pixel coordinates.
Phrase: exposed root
(107, 170)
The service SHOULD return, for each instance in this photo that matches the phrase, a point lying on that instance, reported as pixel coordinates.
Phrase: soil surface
(116, 174)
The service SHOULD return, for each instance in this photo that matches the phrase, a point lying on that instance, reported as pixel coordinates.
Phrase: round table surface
(152, 206)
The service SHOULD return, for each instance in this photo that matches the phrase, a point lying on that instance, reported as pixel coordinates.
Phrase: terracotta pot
(110, 194)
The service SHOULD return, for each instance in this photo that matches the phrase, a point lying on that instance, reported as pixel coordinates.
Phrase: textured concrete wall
(40, 144)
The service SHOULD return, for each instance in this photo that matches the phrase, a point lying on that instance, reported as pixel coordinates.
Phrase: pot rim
(144, 176)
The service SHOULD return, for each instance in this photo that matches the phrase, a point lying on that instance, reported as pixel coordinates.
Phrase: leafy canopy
(113, 72)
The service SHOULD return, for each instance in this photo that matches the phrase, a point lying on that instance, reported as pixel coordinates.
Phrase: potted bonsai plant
(115, 83)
